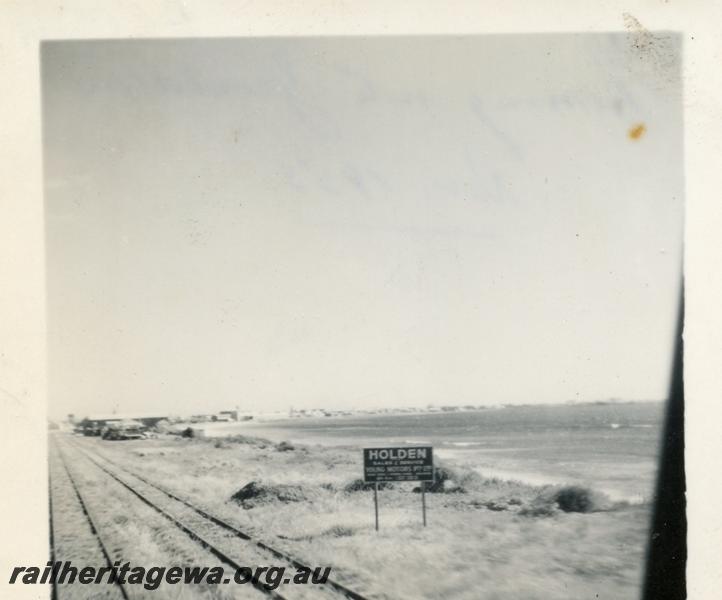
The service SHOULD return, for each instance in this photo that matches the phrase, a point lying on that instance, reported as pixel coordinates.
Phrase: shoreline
(456, 454)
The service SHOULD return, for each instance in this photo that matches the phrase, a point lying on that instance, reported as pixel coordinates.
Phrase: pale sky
(358, 222)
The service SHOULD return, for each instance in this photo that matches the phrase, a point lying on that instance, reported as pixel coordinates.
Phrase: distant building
(101, 420)
(98, 421)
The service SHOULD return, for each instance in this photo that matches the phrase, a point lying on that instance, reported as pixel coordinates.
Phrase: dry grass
(489, 539)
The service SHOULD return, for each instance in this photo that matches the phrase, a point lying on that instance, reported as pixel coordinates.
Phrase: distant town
(134, 422)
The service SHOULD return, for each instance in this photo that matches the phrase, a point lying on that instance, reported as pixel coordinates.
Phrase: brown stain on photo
(637, 131)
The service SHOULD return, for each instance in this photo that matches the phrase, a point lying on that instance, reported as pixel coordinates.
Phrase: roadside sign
(405, 463)
(408, 463)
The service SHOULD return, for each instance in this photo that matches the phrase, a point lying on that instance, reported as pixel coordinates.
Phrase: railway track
(92, 522)
(192, 520)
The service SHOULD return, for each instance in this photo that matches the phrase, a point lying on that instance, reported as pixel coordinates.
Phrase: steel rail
(349, 593)
(91, 521)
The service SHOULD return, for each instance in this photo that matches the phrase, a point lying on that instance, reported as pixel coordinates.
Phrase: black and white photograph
(368, 317)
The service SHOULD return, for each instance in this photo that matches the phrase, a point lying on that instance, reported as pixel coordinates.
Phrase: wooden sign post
(405, 463)
(376, 504)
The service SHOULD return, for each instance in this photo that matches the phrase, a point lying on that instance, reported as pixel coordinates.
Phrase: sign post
(376, 504)
(405, 463)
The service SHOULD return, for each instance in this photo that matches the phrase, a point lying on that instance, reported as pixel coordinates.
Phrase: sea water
(611, 447)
